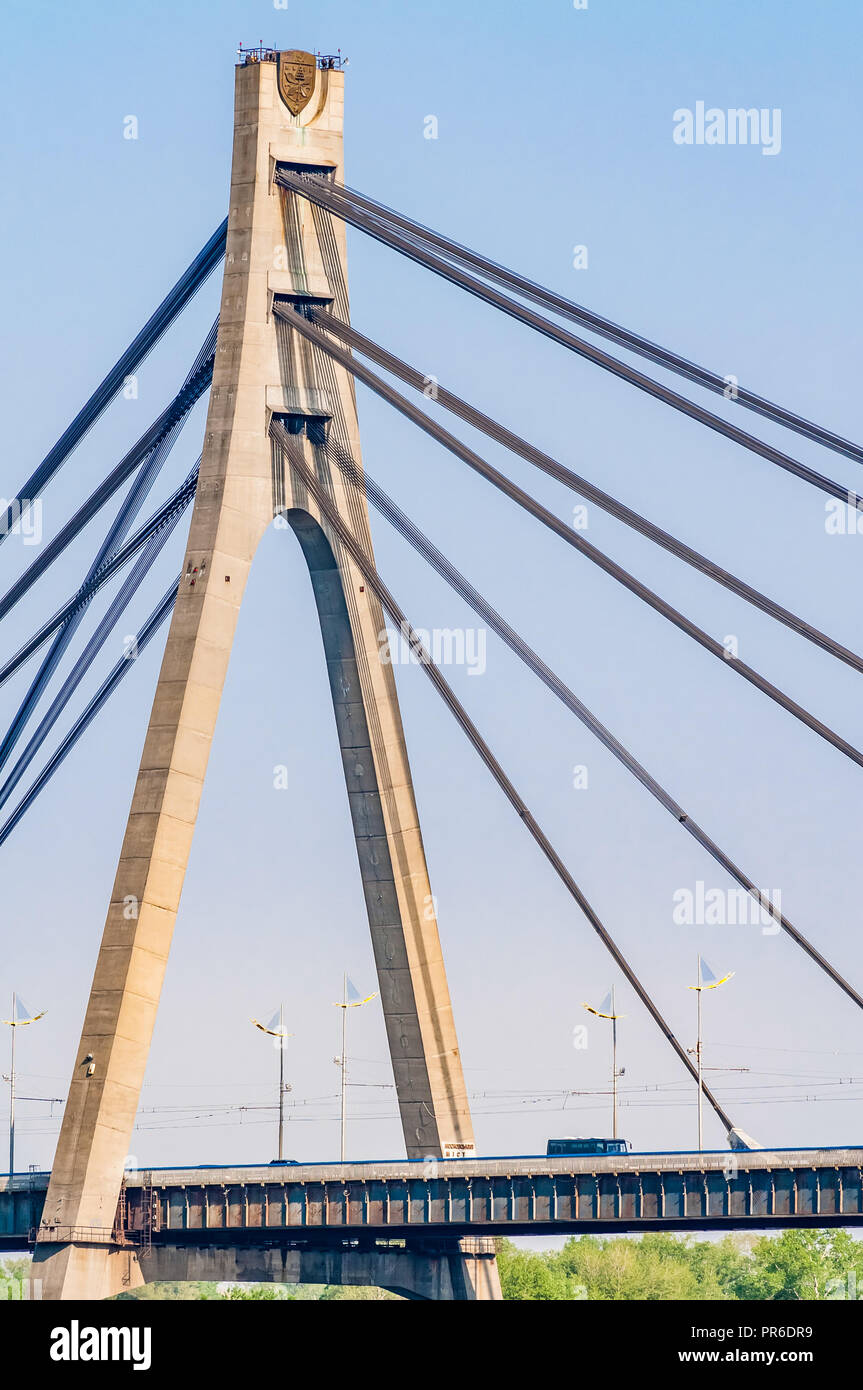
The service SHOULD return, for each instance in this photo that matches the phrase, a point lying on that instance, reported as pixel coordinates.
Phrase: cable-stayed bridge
(282, 440)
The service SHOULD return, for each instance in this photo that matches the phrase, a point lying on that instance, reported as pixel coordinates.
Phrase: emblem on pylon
(296, 79)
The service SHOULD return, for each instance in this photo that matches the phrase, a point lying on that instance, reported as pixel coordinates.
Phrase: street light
(276, 1029)
(706, 980)
(607, 1010)
(20, 1018)
(351, 999)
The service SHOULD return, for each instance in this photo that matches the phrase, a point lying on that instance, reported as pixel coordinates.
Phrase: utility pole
(19, 1018)
(276, 1029)
(706, 980)
(12, 1094)
(344, 1120)
(281, 1081)
(608, 1010)
(351, 999)
(613, 1067)
(698, 989)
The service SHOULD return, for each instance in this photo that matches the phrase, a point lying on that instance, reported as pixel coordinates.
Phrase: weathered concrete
(82, 1270)
(277, 244)
(447, 1273)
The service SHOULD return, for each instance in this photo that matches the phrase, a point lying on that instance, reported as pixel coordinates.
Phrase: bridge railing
(85, 1235)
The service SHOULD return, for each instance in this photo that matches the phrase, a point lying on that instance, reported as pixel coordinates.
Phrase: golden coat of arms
(296, 79)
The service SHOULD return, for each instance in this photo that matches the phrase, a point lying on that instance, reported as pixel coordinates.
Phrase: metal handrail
(327, 62)
(87, 1235)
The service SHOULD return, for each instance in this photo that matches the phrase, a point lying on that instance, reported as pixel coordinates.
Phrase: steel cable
(366, 487)
(129, 509)
(150, 627)
(180, 406)
(180, 500)
(598, 557)
(361, 559)
(186, 287)
(356, 340)
(120, 603)
(317, 191)
(596, 323)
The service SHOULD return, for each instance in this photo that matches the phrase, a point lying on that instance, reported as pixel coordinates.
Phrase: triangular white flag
(707, 975)
(21, 1014)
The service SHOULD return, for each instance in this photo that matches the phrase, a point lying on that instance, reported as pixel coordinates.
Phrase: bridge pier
(94, 1270)
(287, 111)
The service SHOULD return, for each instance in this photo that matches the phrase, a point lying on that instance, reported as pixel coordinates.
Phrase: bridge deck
(335, 1202)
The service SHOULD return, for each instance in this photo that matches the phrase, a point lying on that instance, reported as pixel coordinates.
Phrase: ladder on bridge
(124, 1230)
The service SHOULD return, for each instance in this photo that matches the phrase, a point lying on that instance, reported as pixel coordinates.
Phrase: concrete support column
(277, 245)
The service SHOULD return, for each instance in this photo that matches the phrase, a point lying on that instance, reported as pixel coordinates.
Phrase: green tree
(340, 1293)
(264, 1293)
(797, 1264)
(172, 1290)
(18, 1267)
(654, 1268)
(804, 1264)
(527, 1275)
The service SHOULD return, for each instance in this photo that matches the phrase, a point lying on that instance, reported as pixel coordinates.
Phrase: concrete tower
(287, 110)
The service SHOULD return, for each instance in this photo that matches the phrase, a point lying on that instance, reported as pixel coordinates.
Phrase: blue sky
(555, 130)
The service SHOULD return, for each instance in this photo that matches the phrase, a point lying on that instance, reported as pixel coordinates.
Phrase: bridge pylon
(288, 109)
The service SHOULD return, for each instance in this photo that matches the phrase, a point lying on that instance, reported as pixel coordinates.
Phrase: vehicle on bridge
(559, 1147)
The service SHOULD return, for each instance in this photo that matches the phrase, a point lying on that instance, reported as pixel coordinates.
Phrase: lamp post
(706, 980)
(351, 999)
(276, 1029)
(343, 1123)
(20, 1018)
(607, 1010)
